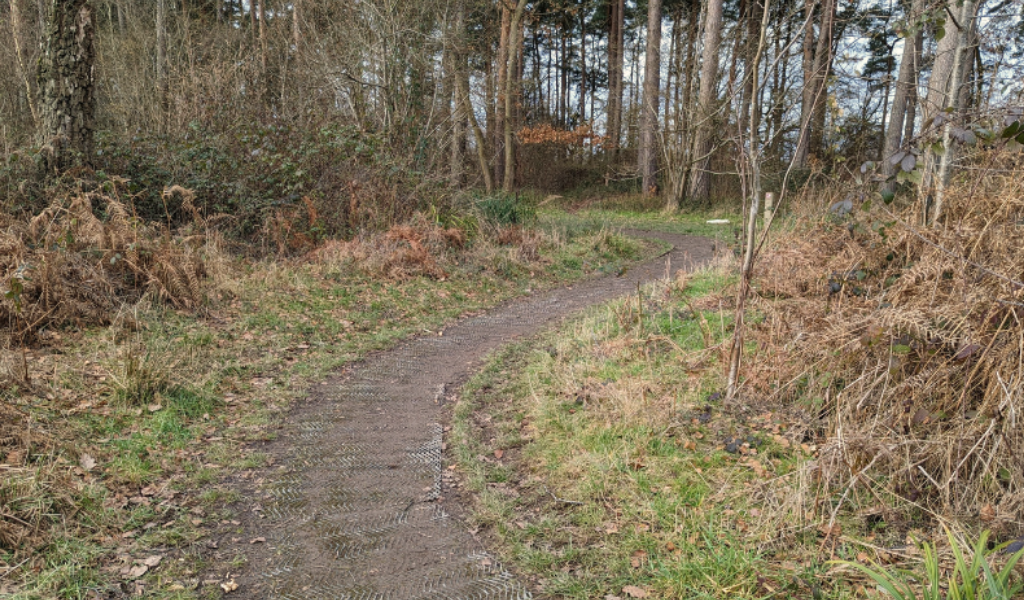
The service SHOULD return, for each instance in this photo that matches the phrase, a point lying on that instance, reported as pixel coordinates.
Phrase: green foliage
(975, 579)
(506, 209)
(254, 173)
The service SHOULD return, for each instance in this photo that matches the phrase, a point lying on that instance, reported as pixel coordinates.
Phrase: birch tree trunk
(963, 39)
(651, 101)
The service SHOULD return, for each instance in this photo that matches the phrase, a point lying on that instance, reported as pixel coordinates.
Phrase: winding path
(358, 510)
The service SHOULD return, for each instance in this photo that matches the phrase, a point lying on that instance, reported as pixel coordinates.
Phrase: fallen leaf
(634, 592)
(987, 513)
(258, 540)
(229, 586)
(87, 462)
(499, 453)
(154, 407)
(137, 571)
(611, 528)
(152, 561)
(690, 445)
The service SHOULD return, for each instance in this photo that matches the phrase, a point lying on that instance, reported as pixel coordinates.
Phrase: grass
(165, 408)
(602, 457)
(632, 210)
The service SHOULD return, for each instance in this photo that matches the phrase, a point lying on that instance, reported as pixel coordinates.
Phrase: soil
(356, 506)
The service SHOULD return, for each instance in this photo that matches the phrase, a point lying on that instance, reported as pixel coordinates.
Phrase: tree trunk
(17, 31)
(904, 88)
(942, 66)
(474, 125)
(161, 62)
(261, 5)
(963, 40)
(583, 65)
(912, 96)
(700, 186)
(453, 65)
(615, 63)
(68, 105)
(822, 67)
(807, 94)
(501, 68)
(651, 101)
(511, 86)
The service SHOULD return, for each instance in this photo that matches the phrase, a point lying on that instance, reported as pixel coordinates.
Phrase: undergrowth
(905, 342)
(118, 428)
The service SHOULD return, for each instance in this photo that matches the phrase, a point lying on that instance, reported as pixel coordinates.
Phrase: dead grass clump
(419, 248)
(68, 265)
(907, 342)
(26, 509)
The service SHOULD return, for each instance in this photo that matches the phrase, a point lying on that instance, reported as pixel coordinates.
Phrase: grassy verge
(135, 430)
(604, 463)
(631, 210)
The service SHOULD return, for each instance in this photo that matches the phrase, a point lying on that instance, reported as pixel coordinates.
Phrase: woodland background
(172, 170)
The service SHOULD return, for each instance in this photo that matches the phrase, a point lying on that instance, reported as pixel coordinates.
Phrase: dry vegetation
(81, 258)
(906, 345)
(122, 337)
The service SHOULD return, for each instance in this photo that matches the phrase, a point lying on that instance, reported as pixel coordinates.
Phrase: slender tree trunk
(754, 154)
(753, 22)
(822, 68)
(161, 62)
(511, 86)
(501, 67)
(563, 102)
(904, 89)
(490, 100)
(684, 107)
(462, 91)
(68, 104)
(615, 59)
(454, 64)
(651, 101)
(942, 66)
(700, 187)
(673, 73)
(17, 31)
(583, 64)
(261, 4)
(963, 40)
(912, 93)
(807, 94)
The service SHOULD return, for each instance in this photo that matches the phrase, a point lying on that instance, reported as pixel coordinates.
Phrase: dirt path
(356, 509)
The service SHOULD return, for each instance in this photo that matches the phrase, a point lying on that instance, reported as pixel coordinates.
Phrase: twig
(562, 500)
(13, 569)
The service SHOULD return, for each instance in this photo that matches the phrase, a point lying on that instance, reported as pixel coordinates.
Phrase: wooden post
(769, 206)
